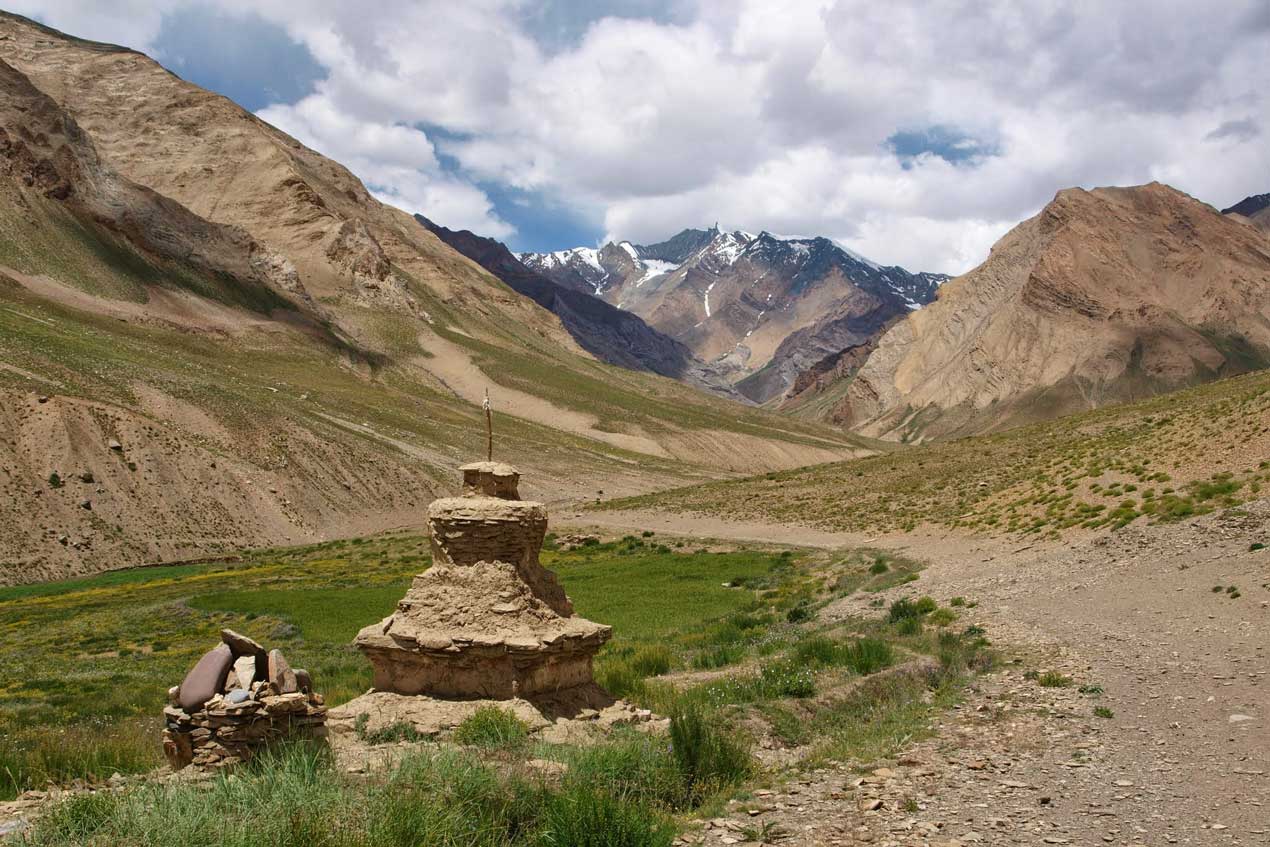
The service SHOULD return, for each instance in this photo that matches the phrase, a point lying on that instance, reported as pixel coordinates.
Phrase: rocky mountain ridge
(1106, 295)
(611, 334)
(1255, 208)
(761, 308)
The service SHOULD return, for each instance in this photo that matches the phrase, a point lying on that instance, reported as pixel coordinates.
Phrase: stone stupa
(486, 621)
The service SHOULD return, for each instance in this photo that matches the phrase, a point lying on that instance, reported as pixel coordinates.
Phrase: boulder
(206, 678)
(303, 680)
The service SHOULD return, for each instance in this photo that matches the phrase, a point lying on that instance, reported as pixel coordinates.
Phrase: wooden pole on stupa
(489, 429)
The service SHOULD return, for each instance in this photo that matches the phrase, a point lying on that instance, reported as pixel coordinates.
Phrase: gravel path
(1185, 759)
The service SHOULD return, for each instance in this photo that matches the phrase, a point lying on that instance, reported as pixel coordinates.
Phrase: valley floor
(1132, 624)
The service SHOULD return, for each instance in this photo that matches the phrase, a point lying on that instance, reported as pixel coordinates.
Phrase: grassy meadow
(724, 641)
(96, 655)
(1162, 459)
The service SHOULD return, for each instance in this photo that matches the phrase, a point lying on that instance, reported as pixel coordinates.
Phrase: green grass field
(85, 664)
(87, 653)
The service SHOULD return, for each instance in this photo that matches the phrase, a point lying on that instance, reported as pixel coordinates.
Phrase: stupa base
(491, 673)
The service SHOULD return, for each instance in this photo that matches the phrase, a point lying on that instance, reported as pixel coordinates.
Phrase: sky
(916, 133)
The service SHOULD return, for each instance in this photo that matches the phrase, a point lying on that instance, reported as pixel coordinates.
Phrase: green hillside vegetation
(1162, 459)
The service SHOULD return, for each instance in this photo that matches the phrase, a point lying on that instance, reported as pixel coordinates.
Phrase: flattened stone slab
(244, 646)
(245, 670)
(280, 674)
(206, 678)
(241, 644)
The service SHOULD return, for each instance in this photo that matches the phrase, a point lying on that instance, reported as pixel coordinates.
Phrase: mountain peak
(1249, 206)
(760, 307)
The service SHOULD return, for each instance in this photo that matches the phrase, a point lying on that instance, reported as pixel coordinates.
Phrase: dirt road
(1134, 619)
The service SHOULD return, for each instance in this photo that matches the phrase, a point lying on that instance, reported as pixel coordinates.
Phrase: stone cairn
(235, 701)
(486, 621)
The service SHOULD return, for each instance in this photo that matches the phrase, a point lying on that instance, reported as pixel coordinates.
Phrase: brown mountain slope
(268, 390)
(1106, 295)
(228, 166)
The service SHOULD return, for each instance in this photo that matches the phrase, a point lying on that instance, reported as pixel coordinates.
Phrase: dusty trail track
(1184, 669)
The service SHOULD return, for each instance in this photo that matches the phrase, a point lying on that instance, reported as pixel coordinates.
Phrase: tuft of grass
(767, 832)
(865, 656)
(297, 798)
(1103, 712)
(1053, 679)
(710, 757)
(491, 727)
(651, 660)
(909, 626)
(582, 816)
(391, 734)
(719, 656)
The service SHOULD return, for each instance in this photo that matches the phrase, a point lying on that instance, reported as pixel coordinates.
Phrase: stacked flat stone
(486, 620)
(236, 700)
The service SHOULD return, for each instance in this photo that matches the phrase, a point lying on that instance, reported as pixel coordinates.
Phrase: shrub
(879, 567)
(710, 757)
(1053, 679)
(1103, 712)
(1255, 546)
(957, 601)
(799, 614)
(909, 626)
(490, 726)
(55, 480)
(942, 617)
(903, 609)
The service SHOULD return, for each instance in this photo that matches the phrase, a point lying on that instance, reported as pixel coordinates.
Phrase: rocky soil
(1134, 620)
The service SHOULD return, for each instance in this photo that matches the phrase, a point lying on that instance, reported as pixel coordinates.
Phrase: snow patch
(706, 299)
(655, 268)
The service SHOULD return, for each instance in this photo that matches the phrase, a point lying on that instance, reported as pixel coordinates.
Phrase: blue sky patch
(246, 58)
(948, 143)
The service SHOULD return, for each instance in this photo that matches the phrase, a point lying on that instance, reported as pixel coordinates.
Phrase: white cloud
(775, 115)
(396, 162)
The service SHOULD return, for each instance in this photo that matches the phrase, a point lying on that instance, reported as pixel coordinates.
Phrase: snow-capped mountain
(762, 307)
